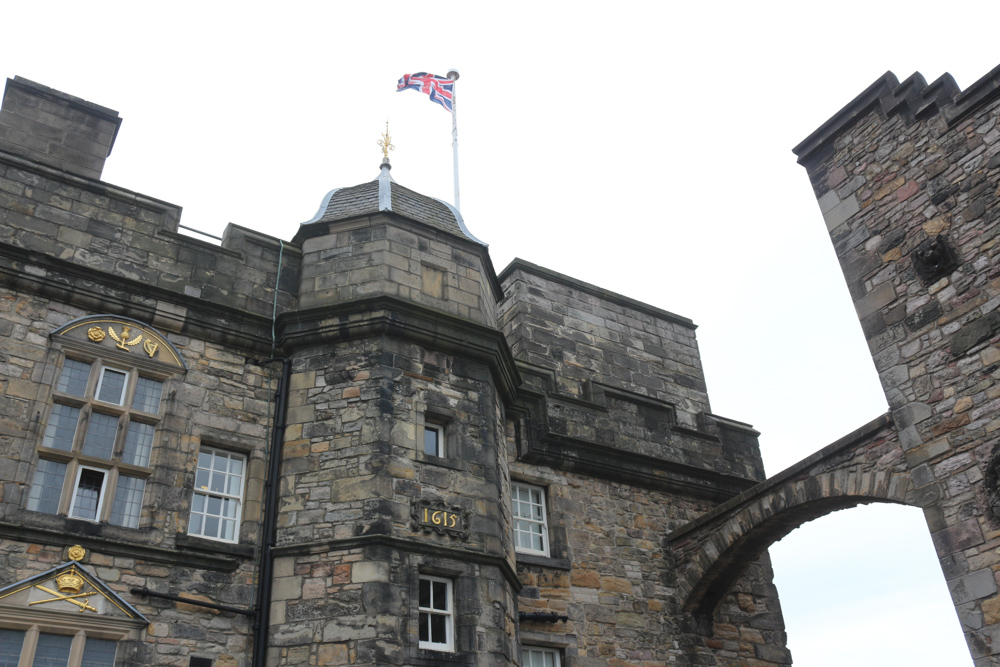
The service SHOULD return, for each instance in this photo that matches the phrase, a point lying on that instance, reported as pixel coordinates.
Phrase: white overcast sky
(644, 147)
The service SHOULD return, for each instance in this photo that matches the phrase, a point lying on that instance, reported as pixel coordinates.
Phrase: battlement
(913, 99)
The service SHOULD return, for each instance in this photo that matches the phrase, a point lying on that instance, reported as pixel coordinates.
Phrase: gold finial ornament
(76, 552)
(386, 142)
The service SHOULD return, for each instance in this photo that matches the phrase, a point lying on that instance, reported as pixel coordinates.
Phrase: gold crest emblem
(95, 334)
(150, 347)
(124, 343)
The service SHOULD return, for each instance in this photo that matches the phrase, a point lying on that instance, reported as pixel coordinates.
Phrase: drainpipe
(271, 496)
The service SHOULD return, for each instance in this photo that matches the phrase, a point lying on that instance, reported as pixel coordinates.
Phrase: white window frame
(126, 389)
(526, 652)
(449, 615)
(101, 497)
(438, 431)
(544, 522)
(207, 493)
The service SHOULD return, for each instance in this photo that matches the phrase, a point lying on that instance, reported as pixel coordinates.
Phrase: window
(531, 534)
(433, 439)
(218, 495)
(437, 622)
(95, 452)
(41, 649)
(539, 657)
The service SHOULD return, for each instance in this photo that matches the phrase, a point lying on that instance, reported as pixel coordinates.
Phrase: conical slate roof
(384, 194)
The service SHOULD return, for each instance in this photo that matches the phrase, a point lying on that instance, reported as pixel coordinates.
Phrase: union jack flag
(438, 87)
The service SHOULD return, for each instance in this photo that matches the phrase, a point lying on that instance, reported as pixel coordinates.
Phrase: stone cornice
(406, 320)
(401, 544)
(594, 290)
(206, 560)
(592, 458)
(101, 292)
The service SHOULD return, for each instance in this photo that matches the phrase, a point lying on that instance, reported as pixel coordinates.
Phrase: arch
(714, 556)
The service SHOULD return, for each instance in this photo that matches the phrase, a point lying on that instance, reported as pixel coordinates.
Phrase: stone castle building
(363, 446)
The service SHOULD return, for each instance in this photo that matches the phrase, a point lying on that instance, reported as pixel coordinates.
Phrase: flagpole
(453, 75)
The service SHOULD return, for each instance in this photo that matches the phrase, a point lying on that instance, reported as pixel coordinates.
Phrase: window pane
(100, 440)
(88, 494)
(112, 386)
(425, 626)
(438, 629)
(425, 593)
(73, 379)
(61, 427)
(218, 483)
(138, 444)
(98, 653)
(10, 647)
(228, 531)
(52, 651)
(147, 395)
(47, 486)
(439, 595)
(128, 501)
(431, 441)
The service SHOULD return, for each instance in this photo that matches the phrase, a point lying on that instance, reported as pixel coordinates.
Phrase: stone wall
(386, 255)
(619, 374)
(906, 178)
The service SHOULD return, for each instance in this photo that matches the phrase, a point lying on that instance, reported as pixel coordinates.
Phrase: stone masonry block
(840, 213)
(957, 537)
(369, 571)
(882, 295)
(973, 586)
(911, 414)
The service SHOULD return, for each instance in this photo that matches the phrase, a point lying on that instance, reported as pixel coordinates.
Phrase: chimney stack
(56, 129)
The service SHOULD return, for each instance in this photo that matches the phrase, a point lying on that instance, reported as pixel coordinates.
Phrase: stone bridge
(865, 466)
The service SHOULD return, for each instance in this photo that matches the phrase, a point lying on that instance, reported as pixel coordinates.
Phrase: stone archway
(713, 551)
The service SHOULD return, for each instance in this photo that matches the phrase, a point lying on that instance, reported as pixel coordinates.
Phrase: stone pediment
(69, 587)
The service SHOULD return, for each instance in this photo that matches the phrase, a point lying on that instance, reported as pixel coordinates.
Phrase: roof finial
(386, 142)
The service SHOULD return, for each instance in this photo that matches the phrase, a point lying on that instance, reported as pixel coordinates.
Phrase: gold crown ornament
(69, 582)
